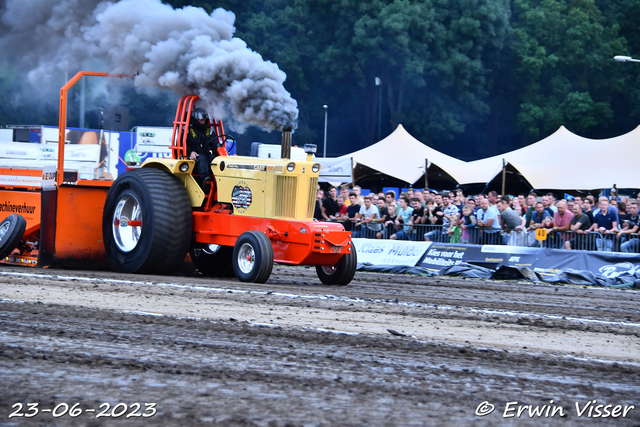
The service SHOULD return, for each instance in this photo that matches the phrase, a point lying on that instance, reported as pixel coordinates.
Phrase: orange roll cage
(181, 126)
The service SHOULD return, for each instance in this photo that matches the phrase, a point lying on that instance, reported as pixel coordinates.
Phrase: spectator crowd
(450, 217)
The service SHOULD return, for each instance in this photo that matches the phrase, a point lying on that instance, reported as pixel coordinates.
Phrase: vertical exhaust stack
(285, 151)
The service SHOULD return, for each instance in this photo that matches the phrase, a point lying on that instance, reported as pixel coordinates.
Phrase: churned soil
(389, 350)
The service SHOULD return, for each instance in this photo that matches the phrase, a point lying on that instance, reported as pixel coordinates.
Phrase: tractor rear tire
(342, 272)
(253, 257)
(159, 205)
(11, 231)
(213, 264)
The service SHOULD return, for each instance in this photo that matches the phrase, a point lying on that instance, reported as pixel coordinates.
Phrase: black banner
(544, 261)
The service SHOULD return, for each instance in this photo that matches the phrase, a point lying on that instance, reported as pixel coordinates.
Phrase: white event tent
(561, 161)
(401, 156)
(564, 160)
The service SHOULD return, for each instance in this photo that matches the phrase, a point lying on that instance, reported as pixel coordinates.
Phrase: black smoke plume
(185, 50)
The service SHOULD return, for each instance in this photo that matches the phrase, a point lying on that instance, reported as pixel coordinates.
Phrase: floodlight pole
(379, 84)
(326, 109)
(622, 58)
(426, 175)
(504, 176)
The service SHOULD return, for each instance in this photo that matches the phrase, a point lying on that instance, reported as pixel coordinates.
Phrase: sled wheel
(11, 231)
(147, 222)
(213, 260)
(342, 272)
(253, 257)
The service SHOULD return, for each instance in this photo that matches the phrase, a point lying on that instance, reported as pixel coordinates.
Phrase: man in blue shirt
(605, 220)
(539, 214)
(536, 221)
(611, 208)
(404, 213)
(488, 223)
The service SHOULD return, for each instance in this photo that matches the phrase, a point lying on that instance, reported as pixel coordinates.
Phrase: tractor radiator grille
(285, 200)
(311, 205)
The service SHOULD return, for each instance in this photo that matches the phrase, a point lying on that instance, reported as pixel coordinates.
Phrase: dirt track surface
(385, 350)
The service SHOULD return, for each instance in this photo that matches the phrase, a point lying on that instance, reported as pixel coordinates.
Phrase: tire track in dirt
(300, 353)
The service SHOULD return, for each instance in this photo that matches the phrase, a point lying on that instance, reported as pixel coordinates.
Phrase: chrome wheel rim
(246, 258)
(127, 236)
(329, 269)
(4, 227)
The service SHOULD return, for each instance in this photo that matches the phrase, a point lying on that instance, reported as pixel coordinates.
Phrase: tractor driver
(198, 138)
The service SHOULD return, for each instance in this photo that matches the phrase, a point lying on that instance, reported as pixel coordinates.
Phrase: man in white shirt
(488, 223)
(367, 217)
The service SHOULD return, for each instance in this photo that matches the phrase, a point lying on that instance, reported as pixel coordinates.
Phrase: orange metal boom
(62, 116)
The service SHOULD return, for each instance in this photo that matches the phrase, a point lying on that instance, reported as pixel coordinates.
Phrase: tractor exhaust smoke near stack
(185, 50)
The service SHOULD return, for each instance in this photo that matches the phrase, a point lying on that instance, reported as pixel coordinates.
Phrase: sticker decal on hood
(241, 197)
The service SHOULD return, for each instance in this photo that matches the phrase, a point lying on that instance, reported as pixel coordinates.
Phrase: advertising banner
(441, 255)
(25, 203)
(83, 145)
(20, 181)
(154, 141)
(6, 135)
(18, 150)
(546, 261)
(390, 252)
(552, 261)
(543, 261)
(77, 153)
(534, 258)
(335, 169)
(611, 264)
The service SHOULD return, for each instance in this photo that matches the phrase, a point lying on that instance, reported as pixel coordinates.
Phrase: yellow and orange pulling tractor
(256, 212)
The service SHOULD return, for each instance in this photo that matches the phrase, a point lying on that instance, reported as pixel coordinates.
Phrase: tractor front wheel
(342, 272)
(253, 257)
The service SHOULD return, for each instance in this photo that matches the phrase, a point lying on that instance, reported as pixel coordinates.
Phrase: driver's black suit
(198, 138)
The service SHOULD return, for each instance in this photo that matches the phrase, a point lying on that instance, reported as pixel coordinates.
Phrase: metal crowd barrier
(593, 241)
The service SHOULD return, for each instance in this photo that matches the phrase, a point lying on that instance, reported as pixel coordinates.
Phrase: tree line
(471, 78)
